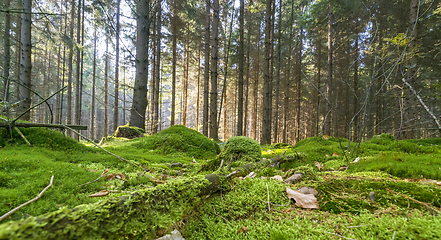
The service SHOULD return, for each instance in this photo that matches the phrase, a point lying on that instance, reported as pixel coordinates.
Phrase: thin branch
(220, 215)
(26, 203)
(21, 134)
(267, 189)
(102, 175)
(340, 236)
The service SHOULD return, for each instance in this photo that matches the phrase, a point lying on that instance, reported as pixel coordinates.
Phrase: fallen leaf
(302, 200)
(242, 229)
(342, 168)
(335, 154)
(100, 194)
(112, 176)
(277, 177)
(319, 166)
(326, 137)
(308, 190)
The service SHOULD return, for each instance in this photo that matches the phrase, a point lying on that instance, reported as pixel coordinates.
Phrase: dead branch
(26, 203)
(432, 210)
(102, 175)
(220, 215)
(21, 134)
(27, 125)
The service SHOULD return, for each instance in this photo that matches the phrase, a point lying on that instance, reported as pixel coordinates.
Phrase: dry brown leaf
(342, 168)
(335, 154)
(302, 200)
(320, 166)
(100, 194)
(277, 177)
(112, 176)
(326, 137)
(242, 229)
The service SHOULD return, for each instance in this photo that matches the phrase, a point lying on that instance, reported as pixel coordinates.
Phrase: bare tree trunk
(7, 51)
(299, 80)
(43, 106)
(116, 104)
(106, 88)
(158, 69)
(185, 85)
(266, 114)
(247, 81)
(241, 70)
(206, 68)
(92, 114)
(214, 59)
(139, 103)
(318, 83)
(279, 64)
(255, 93)
(198, 94)
(25, 61)
(70, 69)
(288, 78)
(17, 54)
(328, 113)
(174, 62)
(77, 82)
(153, 78)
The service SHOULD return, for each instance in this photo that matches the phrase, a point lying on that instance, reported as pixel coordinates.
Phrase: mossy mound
(243, 148)
(126, 131)
(181, 140)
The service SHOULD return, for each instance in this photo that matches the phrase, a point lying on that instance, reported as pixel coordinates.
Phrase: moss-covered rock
(181, 140)
(127, 131)
(242, 148)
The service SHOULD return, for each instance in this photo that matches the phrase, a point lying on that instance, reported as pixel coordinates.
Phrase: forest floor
(378, 189)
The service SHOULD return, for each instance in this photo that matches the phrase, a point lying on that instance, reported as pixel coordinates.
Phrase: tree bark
(288, 78)
(328, 113)
(214, 59)
(155, 122)
(247, 80)
(25, 60)
(139, 103)
(279, 64)
(7, 51)
(185, 84)
(266, 113)
(255, 87)
(92, 114)
(77, 79)
(116, 103)
(241, 70)
(70, 68)
(206, 68)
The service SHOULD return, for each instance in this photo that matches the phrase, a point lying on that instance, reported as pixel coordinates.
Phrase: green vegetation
(343, 196)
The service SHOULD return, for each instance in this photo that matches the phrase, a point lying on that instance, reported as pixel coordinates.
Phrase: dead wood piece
(178, 164)
(21, 134)
(308, 190)
(297, 177)
(432, 210)
(26, 203)
(27, 125)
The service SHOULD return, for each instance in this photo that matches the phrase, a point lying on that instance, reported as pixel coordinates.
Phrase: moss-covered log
(275, 161)
(136, 216)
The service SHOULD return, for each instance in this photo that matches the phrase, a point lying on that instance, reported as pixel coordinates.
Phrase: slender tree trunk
(77, 82)
(158, 69)
(266, 117)
(82, 63)
(44, 72)
(70, 69)
(106, 88)
(318, 79)
(214, 59)
(279, 64)
(247, 80)
(185, 85)
(25, 60)
(206, 68)
(57, 98)
(198, 94)
(174, 62)
(328, 113)
(355, 89)
(241, 70)
(116, 104)
(92, 114)
(299, 79)
(139, 103)
(7, 51)
(153, 78)
(256, 85)
(18, 54)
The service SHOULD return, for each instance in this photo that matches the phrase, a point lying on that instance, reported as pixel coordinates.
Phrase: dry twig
(267, 189)
(102, 175)
(219, 215)
(26, 203)
(432, 210)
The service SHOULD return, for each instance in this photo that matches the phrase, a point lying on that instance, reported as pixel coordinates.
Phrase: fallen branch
(102, 175)
(26, 203)
(96, 145)
(340, 236)
(220, 215)
(432, 210)
(27, 125)
(21, 134)
(269, 209)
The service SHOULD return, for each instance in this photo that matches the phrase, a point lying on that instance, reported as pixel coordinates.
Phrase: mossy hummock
(243, 148)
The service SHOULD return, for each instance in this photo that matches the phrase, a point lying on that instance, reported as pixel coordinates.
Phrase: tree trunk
(92, 114)
(106, 88)
(328, 113)
(17, 55)
(174, 62)
(247, 81)
(355, 88)
(318, 83)
(241, 70)
(206, 68)
(198, 94)
(25, 60)
(255, 88)
(7, 51)
(139, 103)
(266, 114)
(214, 58)
(185, 84)
(158, 69)
(299, 79)
(288, 78)
(116, 104)
(77, 82)
(279, 64)
(70, 68)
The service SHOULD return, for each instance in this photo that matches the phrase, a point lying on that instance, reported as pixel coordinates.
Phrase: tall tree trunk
(174, 62)
(198, 94)
(106, 88)
(82, 62)
(241, 70)
(279, 64)
(247, 80)
(7, 51)
(255, 88)
(288, 78)
(328, 113)
(116, 104)
(139, 103)
(25, 60)
(299, 79)
(153, 78)
(77, 82)
(206, 68)
(214, 58)
(44, 72)
(17, 54)
(92, 114)
(185, 84)
(158, 69)
(70, 68)
(266, 114)
(355, 88)
(318, 83)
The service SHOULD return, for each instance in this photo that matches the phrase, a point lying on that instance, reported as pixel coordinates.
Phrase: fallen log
(27, 125)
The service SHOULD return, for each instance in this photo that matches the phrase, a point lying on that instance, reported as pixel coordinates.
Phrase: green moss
(179, 139)
(308, 172)
(127, 131)
(242, 148)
